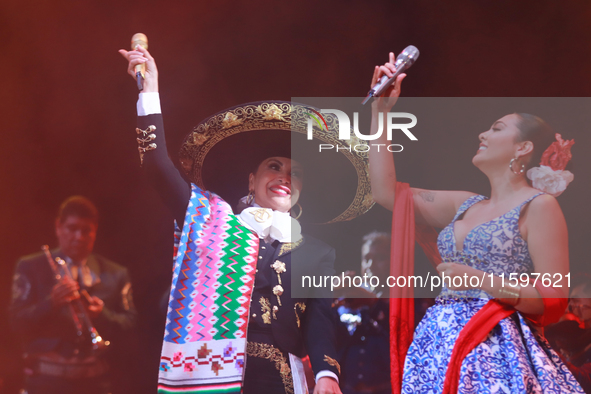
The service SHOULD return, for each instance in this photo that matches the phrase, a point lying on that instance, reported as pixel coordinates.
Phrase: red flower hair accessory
(550, 176)
(558, 154)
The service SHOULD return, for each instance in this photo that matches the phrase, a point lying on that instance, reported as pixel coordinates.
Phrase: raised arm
(160, 170)
(381, 169)
(435, 208)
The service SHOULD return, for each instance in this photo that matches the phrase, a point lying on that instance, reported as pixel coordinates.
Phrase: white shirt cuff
(326, 373)
(148, 104)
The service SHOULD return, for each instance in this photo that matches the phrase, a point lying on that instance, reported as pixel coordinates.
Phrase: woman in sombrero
(232, 324)
(480, 339)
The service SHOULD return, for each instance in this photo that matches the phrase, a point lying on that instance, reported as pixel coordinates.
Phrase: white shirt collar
(89, 278)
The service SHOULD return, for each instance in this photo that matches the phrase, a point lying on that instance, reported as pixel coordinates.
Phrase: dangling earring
(300, 213)
(250, 198)
(513, 171)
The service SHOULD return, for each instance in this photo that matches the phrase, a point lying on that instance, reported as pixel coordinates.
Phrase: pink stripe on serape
(204, 290)
(208, 272)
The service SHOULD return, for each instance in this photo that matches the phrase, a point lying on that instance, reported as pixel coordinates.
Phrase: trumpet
(78, 313)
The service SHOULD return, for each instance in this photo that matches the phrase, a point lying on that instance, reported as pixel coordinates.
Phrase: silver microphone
(403, 62)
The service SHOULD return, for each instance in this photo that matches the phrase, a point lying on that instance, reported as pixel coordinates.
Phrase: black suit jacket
(45, 328)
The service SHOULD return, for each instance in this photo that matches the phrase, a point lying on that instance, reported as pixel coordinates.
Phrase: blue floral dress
(513, 358)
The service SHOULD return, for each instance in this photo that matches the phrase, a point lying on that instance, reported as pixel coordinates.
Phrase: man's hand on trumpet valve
(64, 291)
(95, 306)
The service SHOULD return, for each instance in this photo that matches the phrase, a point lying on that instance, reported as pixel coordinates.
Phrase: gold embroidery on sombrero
(277, 116)
(273, 112)
(230, 120)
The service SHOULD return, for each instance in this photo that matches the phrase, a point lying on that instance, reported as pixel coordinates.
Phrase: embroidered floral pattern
(278, 266)
(203, 351)
(266, 308)
(302, 307)
(333, 363)
(271, 353)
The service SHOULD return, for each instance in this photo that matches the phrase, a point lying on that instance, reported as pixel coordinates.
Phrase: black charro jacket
(300, 326)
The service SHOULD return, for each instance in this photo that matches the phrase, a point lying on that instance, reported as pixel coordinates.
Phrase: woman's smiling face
(277, 183)
(498, 141)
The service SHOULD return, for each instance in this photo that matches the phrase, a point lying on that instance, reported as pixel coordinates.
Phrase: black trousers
(267, 367)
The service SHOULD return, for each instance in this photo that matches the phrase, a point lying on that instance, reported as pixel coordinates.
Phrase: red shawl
(402, 264)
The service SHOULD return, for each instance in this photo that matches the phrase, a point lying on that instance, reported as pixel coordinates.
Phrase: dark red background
(68, 107)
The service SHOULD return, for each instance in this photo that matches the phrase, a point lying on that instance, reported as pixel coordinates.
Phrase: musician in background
(364, 333)
(59, 359)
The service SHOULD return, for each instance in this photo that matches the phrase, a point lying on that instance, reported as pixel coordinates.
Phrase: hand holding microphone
(139, 40)
(387, 78)
(141, 65)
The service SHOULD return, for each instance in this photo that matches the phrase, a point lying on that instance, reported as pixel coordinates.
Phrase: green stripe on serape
(229, 292)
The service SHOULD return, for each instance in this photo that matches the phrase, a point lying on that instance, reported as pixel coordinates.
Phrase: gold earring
(300, 213)
(250, 197)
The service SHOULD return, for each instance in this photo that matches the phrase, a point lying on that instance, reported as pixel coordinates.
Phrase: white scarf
(271, 225)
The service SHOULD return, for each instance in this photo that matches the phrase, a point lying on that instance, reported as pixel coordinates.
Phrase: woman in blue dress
(517, 230)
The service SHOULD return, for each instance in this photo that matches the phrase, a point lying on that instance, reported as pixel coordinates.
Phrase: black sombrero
(220, 152)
